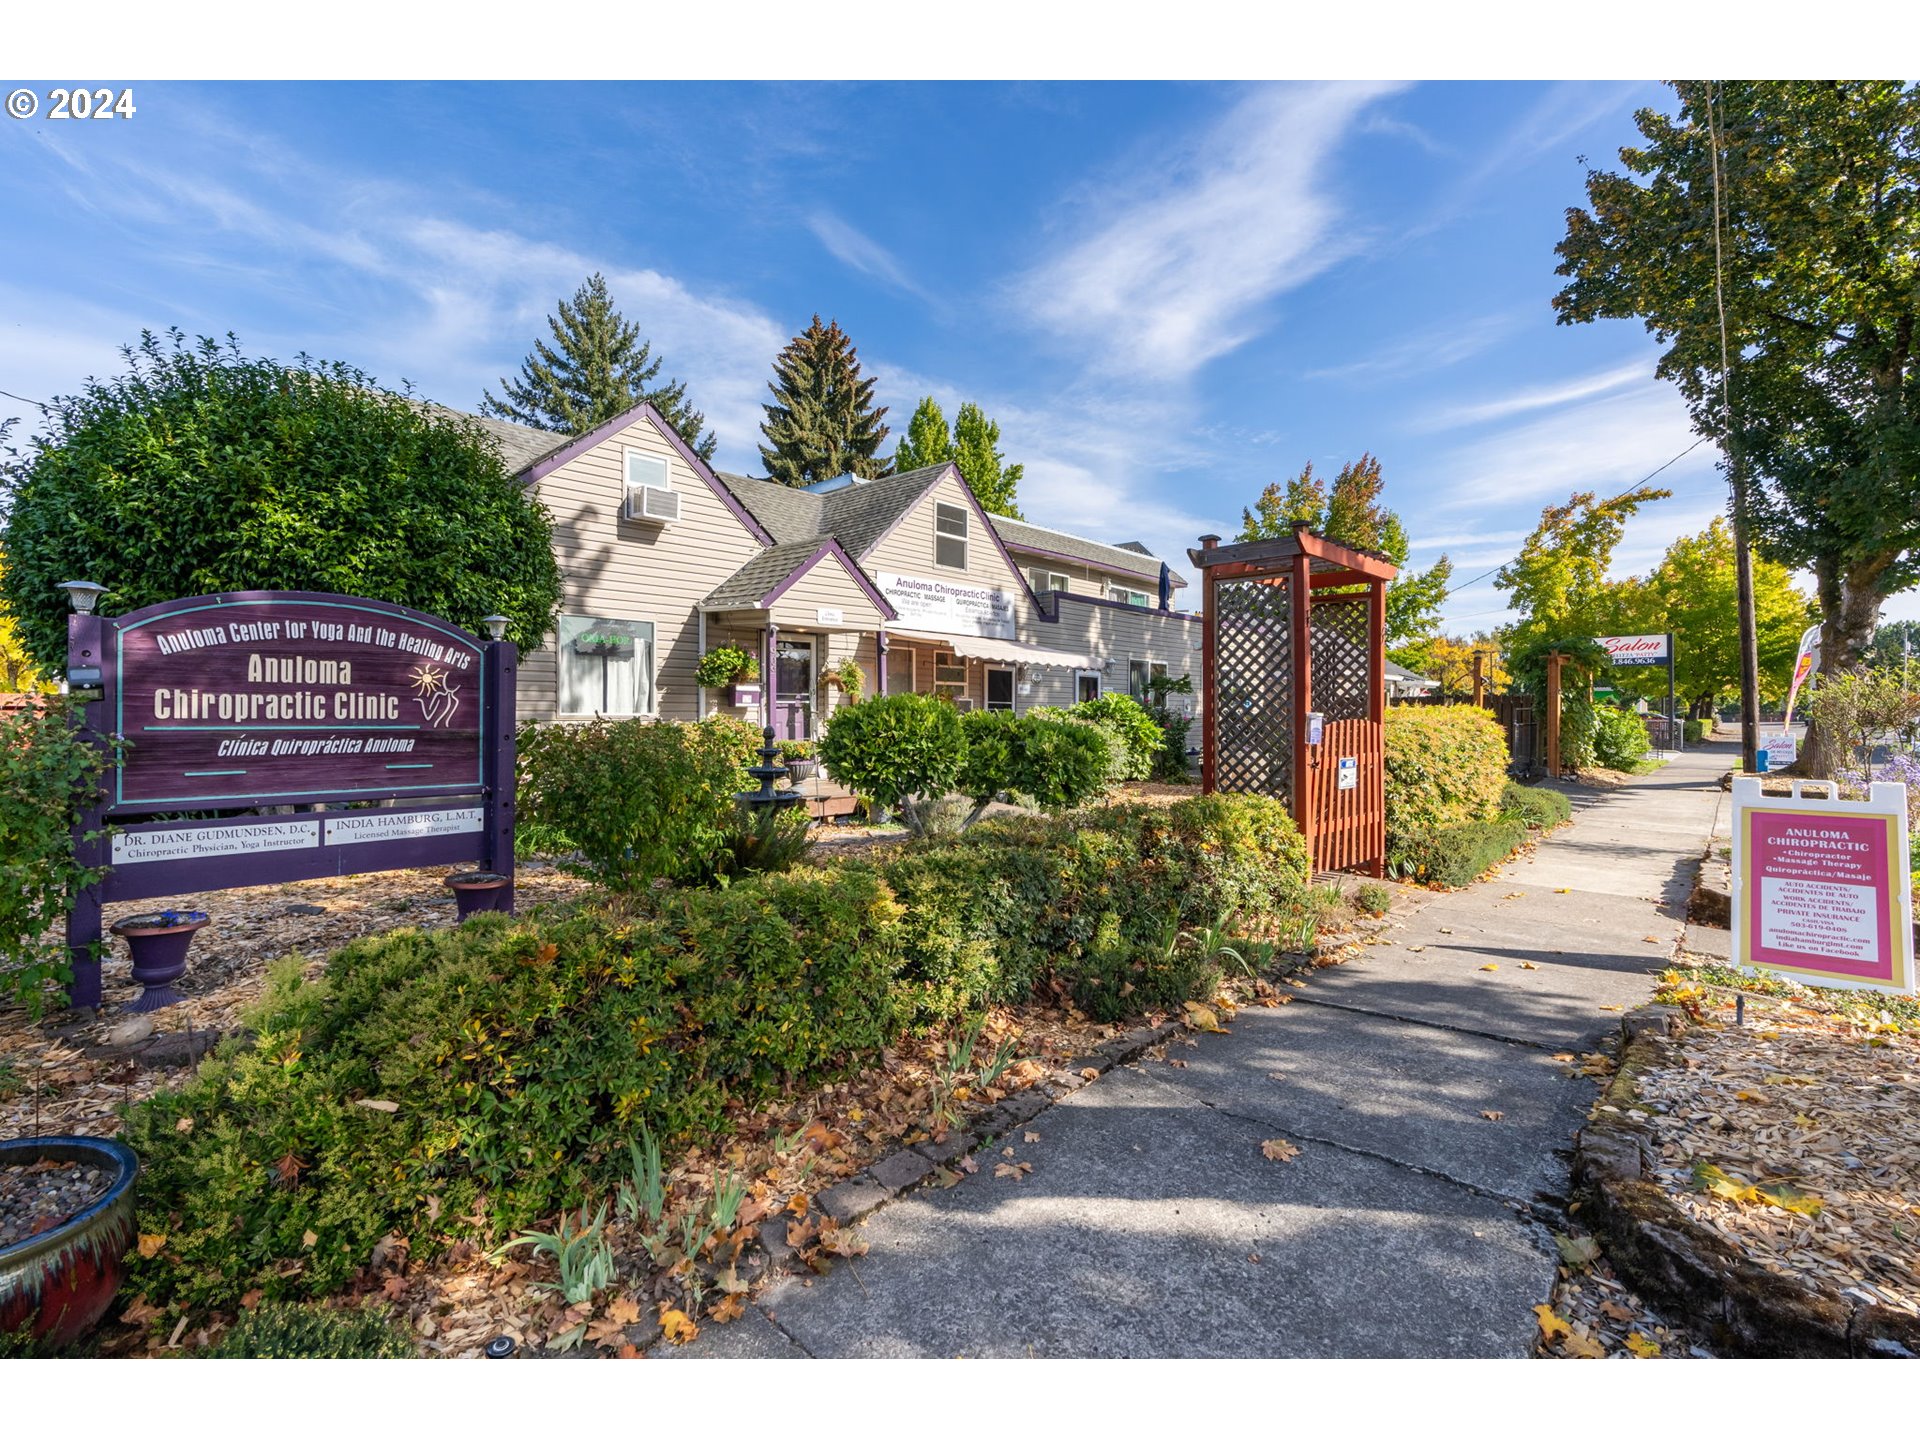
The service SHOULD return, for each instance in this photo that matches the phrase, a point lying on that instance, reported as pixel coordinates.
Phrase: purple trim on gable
(854, 572)
(1084, 563)
(979, 514)
(540, 469)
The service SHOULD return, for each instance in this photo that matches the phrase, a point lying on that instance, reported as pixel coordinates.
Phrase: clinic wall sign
(1821, 885)
(271, 698)
(302, 735)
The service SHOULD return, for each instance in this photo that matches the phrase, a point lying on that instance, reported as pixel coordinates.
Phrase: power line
(1455, 590)
(38, 404)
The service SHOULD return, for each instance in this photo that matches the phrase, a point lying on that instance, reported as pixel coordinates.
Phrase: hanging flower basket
(158, 943)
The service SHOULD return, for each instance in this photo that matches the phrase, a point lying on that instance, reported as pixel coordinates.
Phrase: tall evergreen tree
(823, 422)
(976, 450)
(928, 441)
(598, 367)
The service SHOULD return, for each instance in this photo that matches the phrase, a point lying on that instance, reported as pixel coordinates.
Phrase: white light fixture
(497, 626)
(83, 595)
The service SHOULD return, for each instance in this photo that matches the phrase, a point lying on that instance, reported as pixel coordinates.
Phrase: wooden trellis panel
(1251, 704)
(1342, 675)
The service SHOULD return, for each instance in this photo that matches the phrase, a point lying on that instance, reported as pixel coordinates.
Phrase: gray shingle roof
(860, 514)
(784, 512)
(743, 589)
(1132, 558)
(521, 447)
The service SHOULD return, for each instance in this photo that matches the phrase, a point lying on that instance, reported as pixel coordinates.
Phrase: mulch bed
(1803, 1109)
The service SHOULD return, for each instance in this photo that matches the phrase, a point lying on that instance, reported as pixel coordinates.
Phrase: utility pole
(1737, 479)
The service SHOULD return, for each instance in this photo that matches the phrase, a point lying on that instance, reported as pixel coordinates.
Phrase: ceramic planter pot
(158, 944)
(802, 769)
(476, 890)
(61, 1281)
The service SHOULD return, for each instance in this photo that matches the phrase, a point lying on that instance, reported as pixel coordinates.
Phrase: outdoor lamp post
(496, 626)
(83, 595)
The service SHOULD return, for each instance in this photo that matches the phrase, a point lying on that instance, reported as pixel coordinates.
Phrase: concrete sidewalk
(1152, 1224)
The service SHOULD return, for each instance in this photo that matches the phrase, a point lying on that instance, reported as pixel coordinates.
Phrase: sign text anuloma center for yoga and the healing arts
(228, 703)
(239, 708)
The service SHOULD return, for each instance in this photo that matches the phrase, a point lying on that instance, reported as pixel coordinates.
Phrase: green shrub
(1170, 763)
(1620, 738)
(903, 751)
(758, 839)
(1540, 809)
(47, 774)
(1027, 904)
(1050, 763)
(1579, 728)
(1139, 739)
(1445, 765)
(1695, 731)
(640, 800)
(199, 469)
(1457, 855)
(312, 1332)
(1373, 898)
(511, 1060)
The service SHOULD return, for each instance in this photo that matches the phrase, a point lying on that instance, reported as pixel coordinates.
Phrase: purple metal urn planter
(61, 1281)
(159, 943)
(476, 890)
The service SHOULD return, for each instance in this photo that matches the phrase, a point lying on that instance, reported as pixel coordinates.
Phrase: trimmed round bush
(1140, 738)
(903, 751)
(1540, 809)
(1620, 739)
(1445, 765)
(1051, 763)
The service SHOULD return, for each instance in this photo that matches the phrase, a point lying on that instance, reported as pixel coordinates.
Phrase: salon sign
(1821, 885)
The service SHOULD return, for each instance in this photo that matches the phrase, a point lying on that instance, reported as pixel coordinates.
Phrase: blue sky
(1168, 294)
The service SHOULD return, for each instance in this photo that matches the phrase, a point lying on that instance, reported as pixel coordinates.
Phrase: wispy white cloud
(1180, 269)
(860, 251)
(1542, 397)
(1434, 348)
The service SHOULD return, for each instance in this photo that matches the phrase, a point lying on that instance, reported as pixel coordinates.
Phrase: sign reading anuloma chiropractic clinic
(1821, 887)
(398, 725)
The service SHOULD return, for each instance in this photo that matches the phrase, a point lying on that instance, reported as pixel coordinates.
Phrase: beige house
(665, 558)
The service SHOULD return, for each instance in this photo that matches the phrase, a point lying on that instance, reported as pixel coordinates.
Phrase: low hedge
(1445, 765)
(474, 1080)
(312, 1332)
(1540, 809)
(1457, 855)
(1696, 731)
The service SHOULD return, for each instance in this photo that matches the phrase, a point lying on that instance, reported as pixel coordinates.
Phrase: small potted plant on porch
(731, 668)
(158, 943)
(801, 762)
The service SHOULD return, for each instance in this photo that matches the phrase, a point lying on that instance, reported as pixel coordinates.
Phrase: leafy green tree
(1895, 643)
(1351, 514)
(928, 441)
(823, 422)
(596, 368)
(1820, 203)
(976, 450)
(1559, 579)
(17, 673)
(201, 470)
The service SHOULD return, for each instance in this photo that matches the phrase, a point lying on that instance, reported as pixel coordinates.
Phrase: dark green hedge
(1457, 855)
(511, 1059)
(1540, 809)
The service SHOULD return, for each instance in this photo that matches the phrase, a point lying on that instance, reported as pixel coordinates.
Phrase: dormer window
(950, 536)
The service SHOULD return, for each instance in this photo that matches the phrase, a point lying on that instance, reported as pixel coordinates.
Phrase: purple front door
(793, 689)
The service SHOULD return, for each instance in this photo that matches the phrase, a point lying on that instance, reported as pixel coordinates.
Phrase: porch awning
(1009, 652)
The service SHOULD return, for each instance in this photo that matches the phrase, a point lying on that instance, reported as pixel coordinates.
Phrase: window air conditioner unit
(653, 504)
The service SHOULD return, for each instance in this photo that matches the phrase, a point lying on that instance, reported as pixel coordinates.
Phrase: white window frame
(1099, 684)
(1146, 668)
(965, 537)
(986, 688)
(1125, 594)
(1040, 571)
(957, 689)
(561, 650)
(628, 454)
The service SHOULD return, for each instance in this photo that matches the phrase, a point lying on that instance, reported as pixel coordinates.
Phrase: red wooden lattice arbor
(1297, 627)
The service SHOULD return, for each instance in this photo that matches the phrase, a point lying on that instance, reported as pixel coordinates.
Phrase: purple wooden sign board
(278, 699)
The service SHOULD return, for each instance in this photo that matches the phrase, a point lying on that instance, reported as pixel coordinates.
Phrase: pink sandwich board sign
(1820, 885)
(271, 736)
